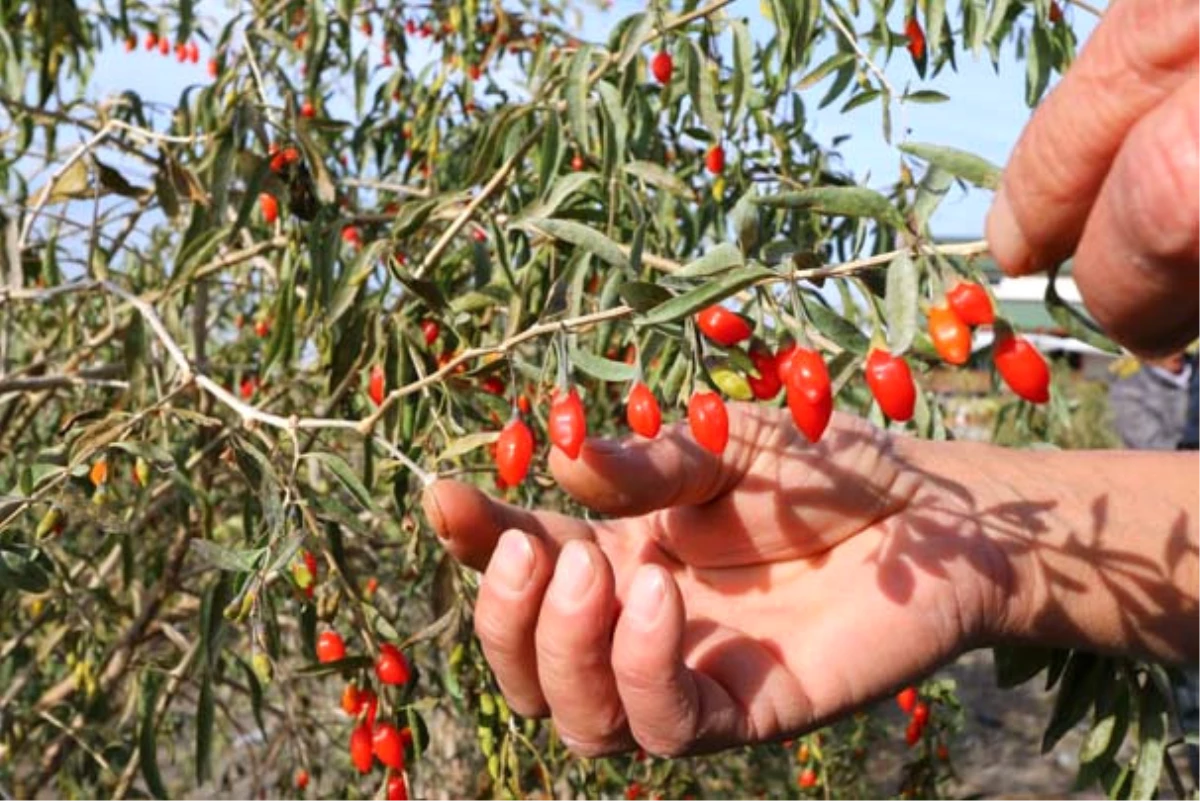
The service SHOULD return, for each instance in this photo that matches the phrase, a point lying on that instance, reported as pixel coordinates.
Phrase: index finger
(1140, 53)
(470, 522)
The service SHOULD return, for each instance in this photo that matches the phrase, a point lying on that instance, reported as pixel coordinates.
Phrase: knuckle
(1157, 173)
(1050, 153)
(666, 746)
(593, 745)
(527, 707)
(566, 652)
(1157, 38)
(637, 677)
(496, 630)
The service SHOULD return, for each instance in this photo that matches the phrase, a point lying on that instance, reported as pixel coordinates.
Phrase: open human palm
(724, 600)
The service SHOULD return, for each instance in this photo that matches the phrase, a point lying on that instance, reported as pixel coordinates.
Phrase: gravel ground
(999, 753)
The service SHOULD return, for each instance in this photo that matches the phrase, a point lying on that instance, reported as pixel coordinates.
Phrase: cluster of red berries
(1017, 361)
(184, 51)
(281, 159)
(917, 711)
(372, 740)
(798, 370)
(808, 777)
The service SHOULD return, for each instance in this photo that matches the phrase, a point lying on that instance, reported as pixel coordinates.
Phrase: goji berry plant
(374, 243)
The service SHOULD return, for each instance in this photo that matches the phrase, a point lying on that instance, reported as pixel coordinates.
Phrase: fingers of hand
(1139, 55)
(660, 695)
(506, 614)
(1136, 264)
(470, 523)
(633, 476)
(574, 636)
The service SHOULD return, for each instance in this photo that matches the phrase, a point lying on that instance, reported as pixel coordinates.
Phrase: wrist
(968, 507)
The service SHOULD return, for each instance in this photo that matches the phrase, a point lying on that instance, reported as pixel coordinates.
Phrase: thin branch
(496, 181)
(258, 78)
(572, 324)
(48, 190)
(853, 42)
(1095, 11)
(153, 137)
(104, 376)
(673, 24)
(174, 682)
(386, 186)
(73, 733)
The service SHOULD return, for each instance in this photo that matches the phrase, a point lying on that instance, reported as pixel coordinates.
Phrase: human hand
(728, 600)
(1107, 169)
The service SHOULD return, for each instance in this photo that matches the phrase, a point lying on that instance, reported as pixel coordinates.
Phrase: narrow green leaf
(833, 325)
(582, 236)
(1015, 665)
(256, 695)
(995, 22)
(960, 163)
(743, 68)
(464, 445)
(602, 368)
(1074, 321)
(618, 122)
(577, 96)
(845, 201)
(702, 90)
(706, 295)
(825, 68)
(642, 296)
(925, 96)
(147, 735)
(724, 256)
(930, 193)
(1076, 692)
(1152, 735)
(563, 189)
(935, 21)
(346, 475)
(659, 177)
(349, 664)
(214, 556)
(205, 714)
(20, 569)
(861, 99)
(845, 74)
(549, 154)
(640, 26)
(974, 24)
(1111, 717)
(1038, 60)
(900, 300)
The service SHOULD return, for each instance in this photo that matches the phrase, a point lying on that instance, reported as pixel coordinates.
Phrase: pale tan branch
(494, 183)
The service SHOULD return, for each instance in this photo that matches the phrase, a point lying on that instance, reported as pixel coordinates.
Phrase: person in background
(1150, 404)
(1191, 427)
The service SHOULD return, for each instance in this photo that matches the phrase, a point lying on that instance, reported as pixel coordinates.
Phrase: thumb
(633, 475)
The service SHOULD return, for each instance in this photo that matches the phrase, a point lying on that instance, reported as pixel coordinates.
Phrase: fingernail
(1005, 240)
(645, 599)
(433, 513)
(512, 561)
(574, 573)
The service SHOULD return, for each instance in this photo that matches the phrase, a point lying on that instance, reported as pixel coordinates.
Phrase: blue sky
(985, 113)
